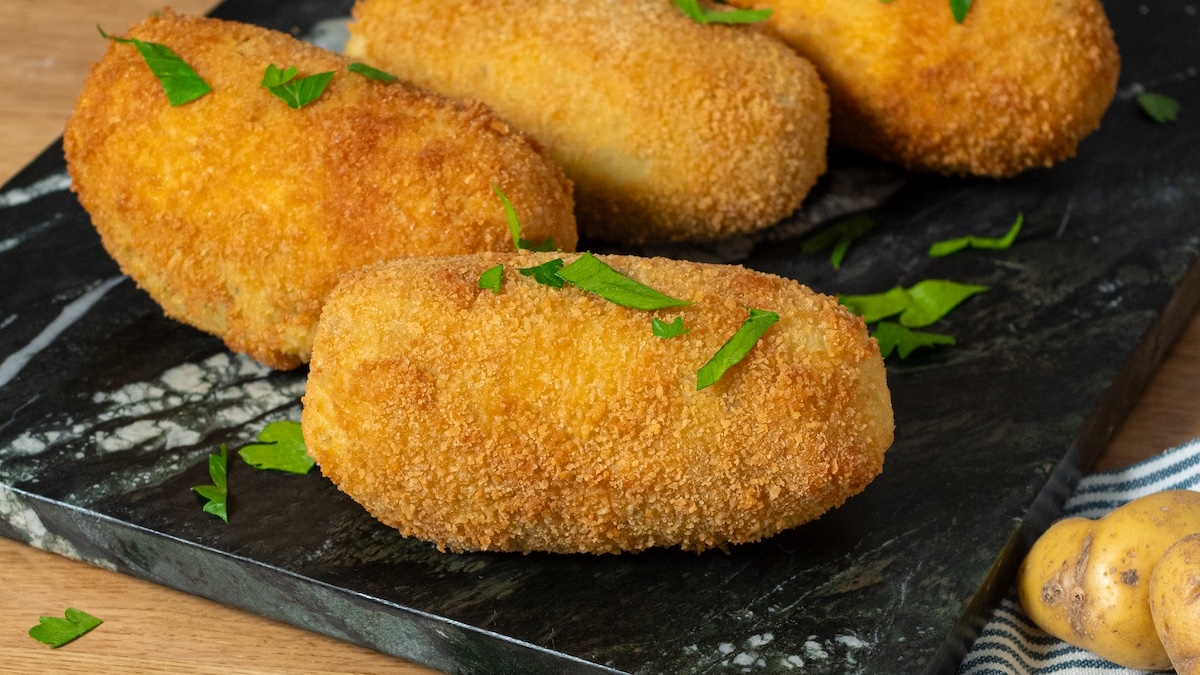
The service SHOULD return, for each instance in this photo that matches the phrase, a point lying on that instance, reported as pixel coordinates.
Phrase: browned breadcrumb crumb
(542, 419)
(1016, 86)
(671, 130)
(237, 213)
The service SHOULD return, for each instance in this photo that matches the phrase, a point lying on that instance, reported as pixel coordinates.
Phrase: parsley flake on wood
(1161, 109)
(282, 449)
(57, 632)
(892, 337)
(180, 83)
(666, 330)
(945, 248)
(699, 14)
(297, 93)
(959, 9)
(217, 494)
(545, 274)
(594, 276)
(736, 349)
(841, 235)
(919, 306)
(372, 73)
(491, 278)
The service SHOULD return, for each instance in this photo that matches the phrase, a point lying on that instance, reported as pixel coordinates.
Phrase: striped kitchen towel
(1010, 644)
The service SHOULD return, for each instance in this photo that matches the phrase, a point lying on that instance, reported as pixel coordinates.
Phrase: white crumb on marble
(756, 641)
(55, 182)
(792, 662)
(850, 641)
(814, 651)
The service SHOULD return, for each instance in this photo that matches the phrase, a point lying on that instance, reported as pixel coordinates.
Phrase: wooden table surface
(45, 52)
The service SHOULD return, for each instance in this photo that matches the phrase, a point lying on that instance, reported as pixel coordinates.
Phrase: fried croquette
(1017, 85)
(237, 213)
(671, 130)
(550, 419)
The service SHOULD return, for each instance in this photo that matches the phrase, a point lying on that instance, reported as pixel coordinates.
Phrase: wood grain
(44, 57)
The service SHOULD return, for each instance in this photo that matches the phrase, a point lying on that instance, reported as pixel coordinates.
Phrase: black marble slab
(108, 410)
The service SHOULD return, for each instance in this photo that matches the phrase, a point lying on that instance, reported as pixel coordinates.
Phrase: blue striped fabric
(1010, 644)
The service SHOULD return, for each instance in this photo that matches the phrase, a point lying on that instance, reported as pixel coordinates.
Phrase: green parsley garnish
(491, 278)
(666, 330)
(919, 306)
(1161, 109)
(217, 494)
(736, 348)
(514, 227)
(959, 9)
(545, 274)
(180, 83)
(840, 235)
(372, 73)
(297, 93)
(945, 248)
(282, 449)
(592, 275)
(893, 337)
(57, 632)
(701, 15)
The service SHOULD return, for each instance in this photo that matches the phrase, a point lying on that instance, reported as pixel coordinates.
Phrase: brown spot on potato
(1130, 577)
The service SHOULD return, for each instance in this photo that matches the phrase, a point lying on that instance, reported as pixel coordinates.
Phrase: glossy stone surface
(106, 424)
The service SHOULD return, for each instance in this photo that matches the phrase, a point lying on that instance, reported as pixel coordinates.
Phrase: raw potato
(1175, 603)
(237, 213)
(670, 129)
(544, 419)
(1087, 582)
(1017, 85)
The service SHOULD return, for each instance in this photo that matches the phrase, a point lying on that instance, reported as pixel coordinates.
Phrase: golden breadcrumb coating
(1016, 86)
(237, 213)
(543, 419)
(671, 130)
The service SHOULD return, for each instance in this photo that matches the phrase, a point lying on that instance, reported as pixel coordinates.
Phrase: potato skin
(1175, 603)
(541, 419)
(237, 213)
(671, 130)
(1088, 582)
(1016, 86)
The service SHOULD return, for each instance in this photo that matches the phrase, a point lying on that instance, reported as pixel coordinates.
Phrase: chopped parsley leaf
(594, 276)
(1161, 109)
(282, 449)
(945, 248)
(217, 494)
(699, 14)
(491, 278)
(180, 83)
(919, 306)
(546, 273)
(297, 93)
(893, 337)
(840, 235)
(372, 73)
(736, 349)
(666, 330)
(57, 632)
(959, 9)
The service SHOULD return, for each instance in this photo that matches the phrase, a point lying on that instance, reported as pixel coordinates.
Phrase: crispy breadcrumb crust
(1018, 85)
(542, 419)
(671, 130)
(237, 213)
